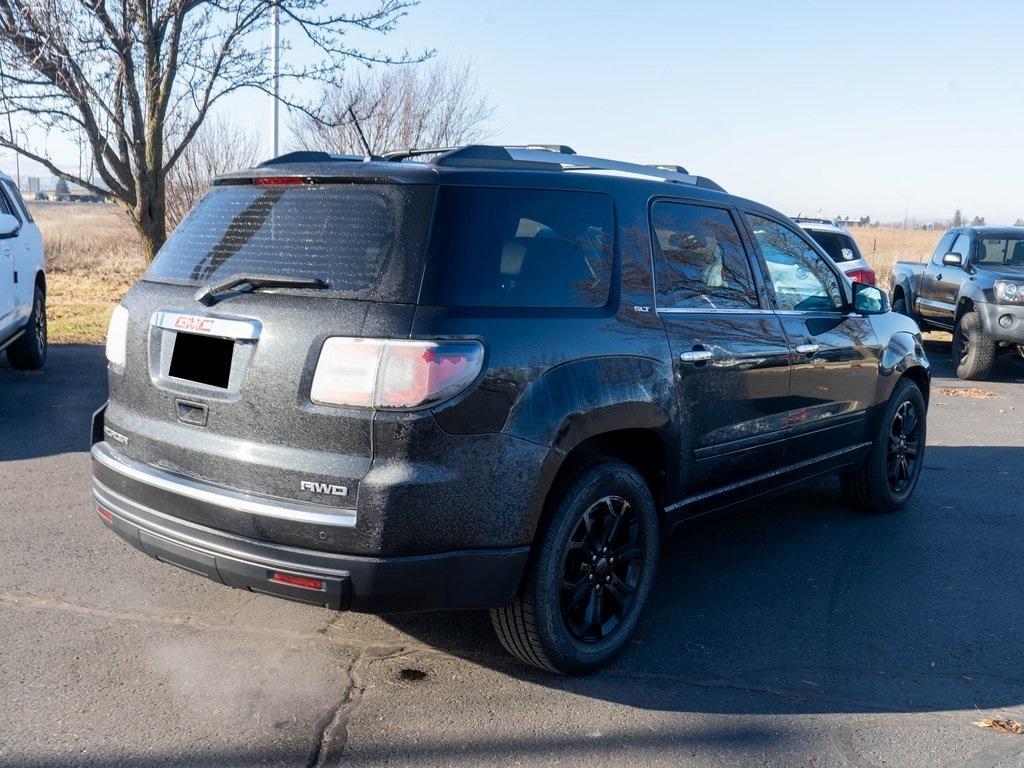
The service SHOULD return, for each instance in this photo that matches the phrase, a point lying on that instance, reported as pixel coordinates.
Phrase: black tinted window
(520, 248)
(837, 245)
(365, 240)
(701, 263)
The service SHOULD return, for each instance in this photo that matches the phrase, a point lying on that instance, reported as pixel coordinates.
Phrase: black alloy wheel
(904, 447)
(601, 569)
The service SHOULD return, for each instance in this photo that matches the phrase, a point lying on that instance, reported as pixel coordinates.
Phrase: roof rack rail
(670, 167)
(405, 154)
(544, 157)
(532, 157)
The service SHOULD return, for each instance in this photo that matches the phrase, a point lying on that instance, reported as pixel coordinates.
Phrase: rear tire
(899, 306)
(887, 478)
(589, 575)
(974, 354)
(28, 353)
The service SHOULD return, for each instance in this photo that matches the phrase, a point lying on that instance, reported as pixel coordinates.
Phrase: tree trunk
(150, 221)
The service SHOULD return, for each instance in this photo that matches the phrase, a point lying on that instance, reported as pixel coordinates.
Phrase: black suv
(497, 379)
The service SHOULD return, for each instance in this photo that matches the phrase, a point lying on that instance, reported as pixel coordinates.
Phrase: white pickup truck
(22, 281)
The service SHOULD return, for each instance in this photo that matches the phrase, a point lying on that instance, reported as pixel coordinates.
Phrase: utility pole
(275, 74)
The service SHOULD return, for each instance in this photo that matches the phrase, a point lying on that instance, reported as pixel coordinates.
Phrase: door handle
(696, 356)
(807, 349)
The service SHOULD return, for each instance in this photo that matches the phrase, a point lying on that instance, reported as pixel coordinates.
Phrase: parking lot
(793, 632)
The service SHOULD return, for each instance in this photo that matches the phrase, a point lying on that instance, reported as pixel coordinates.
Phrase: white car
(841, 248)
(22, 281)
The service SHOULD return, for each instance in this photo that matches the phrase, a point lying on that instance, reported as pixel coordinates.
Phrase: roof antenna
(359, 130)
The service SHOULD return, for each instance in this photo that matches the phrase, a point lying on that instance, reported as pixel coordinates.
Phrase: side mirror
(869, 299)
(953, 260)
(9, 225)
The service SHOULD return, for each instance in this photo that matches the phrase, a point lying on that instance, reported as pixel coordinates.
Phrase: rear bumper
(1011, 329)
(439, 581)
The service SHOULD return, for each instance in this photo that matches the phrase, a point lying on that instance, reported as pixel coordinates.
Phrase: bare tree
(436, 104)
(219, 146)
(130, 75)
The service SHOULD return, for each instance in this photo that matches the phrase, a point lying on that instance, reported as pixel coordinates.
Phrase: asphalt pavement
(794, 632)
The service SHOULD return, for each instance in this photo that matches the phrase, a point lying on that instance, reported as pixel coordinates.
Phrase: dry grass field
(92, 258)
(884, 247)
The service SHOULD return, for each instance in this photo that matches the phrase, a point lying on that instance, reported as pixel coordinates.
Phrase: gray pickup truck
(972, 286)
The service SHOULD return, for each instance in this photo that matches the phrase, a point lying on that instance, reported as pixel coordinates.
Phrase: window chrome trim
(222, 497)
(713, 310)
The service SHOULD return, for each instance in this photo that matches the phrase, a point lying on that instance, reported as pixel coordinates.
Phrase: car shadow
(805, 604)
(49, 412)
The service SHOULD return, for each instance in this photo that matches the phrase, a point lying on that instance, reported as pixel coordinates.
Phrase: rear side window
(700, 259)
(365, 240)
(837, 245)
(528, 248)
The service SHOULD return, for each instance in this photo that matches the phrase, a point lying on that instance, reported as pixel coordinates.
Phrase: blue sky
(856, 108)
(869, 108)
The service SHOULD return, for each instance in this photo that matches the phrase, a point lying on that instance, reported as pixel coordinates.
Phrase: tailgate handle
(192, 413)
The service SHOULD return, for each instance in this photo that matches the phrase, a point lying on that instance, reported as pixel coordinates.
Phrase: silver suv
(841, 248)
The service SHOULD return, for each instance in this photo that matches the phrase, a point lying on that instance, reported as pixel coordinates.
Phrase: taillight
(279, 181)
(393, 373)
(866, 276)
(117, 337)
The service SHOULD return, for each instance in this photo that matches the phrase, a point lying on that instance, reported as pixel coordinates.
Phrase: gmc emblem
(193, 324)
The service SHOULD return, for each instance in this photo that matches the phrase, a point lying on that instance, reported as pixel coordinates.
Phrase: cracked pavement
(794, 632)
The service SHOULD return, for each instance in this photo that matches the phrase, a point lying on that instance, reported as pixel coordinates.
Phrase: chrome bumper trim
(222, 497)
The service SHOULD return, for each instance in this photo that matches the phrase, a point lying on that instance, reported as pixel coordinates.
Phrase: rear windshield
(365, 240)
(496, 247)
(837, 245)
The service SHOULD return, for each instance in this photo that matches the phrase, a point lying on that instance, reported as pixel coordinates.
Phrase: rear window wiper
(246, 282)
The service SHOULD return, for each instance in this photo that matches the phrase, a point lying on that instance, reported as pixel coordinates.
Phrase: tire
(899, 306)
(974, 354)
(28, 353)
(545, 626)
(871, 486)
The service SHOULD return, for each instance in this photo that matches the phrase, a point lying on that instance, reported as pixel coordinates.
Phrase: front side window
(5, 207)
(700, 260)
(524, 248)
(15, 195)
(801, 277)
(962, 246)
(943, 247)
